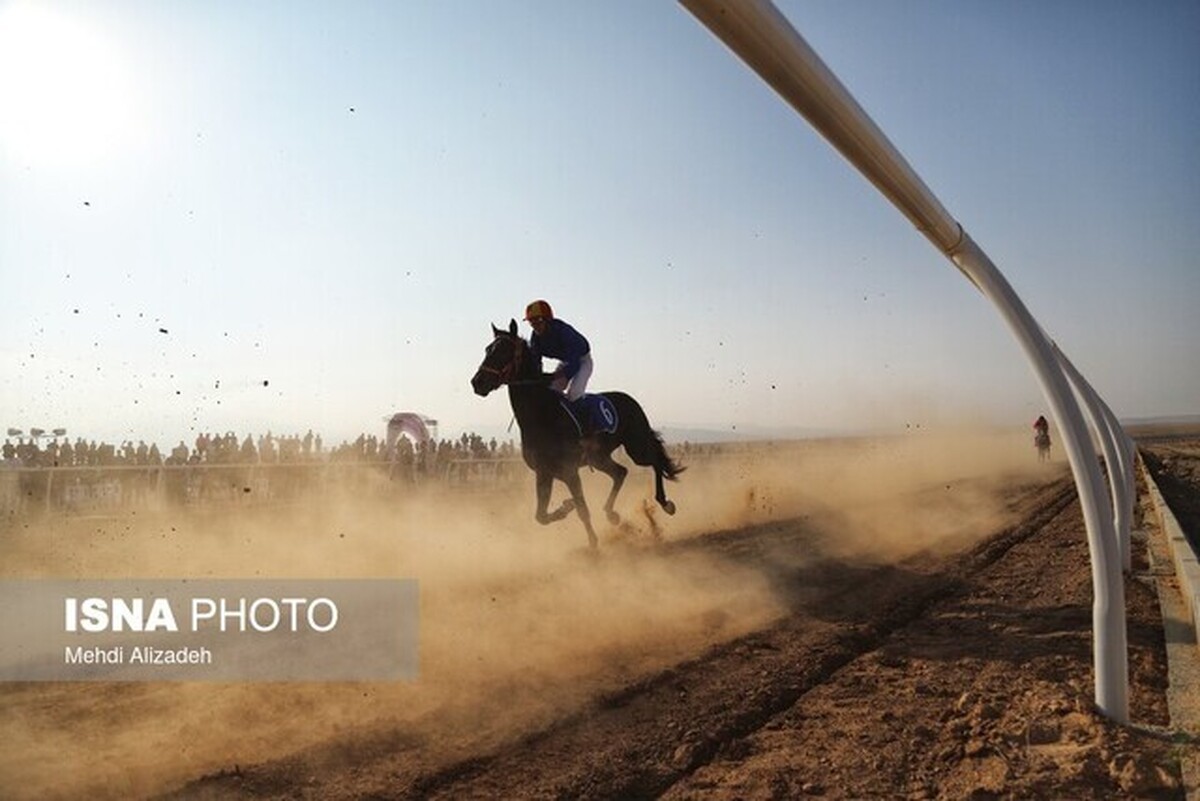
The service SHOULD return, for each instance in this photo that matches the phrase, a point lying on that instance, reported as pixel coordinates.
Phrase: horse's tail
(643, 444)
(669, 467)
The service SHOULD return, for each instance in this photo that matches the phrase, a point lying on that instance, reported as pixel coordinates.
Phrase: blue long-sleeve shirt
(560, 341)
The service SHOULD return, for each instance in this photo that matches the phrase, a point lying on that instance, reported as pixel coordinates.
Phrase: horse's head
(502, 360)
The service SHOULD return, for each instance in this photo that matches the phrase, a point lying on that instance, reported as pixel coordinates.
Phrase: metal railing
(764, 39)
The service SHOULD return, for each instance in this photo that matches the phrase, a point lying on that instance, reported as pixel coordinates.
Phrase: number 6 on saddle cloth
(592, 414)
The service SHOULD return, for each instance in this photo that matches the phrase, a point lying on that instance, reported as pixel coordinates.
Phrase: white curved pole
(1129, 471)
(1118, 455)
(1110, 651)
(762, 37)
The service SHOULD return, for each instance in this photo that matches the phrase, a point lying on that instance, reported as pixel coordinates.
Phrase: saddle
(592, 414)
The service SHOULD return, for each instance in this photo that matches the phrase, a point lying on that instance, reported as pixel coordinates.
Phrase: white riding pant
(577, 384)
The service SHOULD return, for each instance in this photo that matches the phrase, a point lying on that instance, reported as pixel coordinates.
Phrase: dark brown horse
(550, 437)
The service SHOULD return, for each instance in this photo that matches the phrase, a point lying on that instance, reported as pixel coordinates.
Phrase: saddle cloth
(593, 414)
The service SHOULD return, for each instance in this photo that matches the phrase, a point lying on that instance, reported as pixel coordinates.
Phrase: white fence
(763, 38)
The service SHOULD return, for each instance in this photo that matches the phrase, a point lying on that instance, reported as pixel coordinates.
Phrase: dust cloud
(884, 498)
(518, 625)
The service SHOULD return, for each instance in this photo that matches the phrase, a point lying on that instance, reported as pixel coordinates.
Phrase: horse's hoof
(613, 518)
(669, 507)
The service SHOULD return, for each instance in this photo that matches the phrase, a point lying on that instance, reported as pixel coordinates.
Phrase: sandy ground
(902, 618)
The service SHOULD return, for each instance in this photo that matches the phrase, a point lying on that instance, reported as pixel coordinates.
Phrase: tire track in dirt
(645, 737)
(640, 739)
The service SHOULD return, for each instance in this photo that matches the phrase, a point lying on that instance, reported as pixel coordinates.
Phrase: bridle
(505, 374)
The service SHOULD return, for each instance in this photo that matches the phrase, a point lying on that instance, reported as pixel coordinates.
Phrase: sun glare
(66, 98)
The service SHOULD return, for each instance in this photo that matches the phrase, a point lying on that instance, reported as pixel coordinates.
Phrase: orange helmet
(539, 309)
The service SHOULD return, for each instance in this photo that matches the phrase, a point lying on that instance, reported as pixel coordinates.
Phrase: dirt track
(801, 656)
(965, 675)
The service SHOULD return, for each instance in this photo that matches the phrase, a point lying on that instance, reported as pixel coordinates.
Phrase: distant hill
(1180, 425)
(1180, 420)
(736, 433)
(1172, 426)
(675, 434)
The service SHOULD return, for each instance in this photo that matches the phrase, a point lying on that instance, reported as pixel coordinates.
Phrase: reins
(504, 375)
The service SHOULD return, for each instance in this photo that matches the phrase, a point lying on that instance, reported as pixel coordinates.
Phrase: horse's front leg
(576, 487)
(545, 482)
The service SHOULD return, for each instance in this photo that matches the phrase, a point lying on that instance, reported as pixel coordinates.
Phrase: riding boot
(581, 408)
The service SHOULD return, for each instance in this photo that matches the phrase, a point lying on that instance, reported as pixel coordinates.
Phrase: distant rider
(556, 339)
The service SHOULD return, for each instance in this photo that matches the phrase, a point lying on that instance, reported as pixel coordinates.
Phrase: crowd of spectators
(229, 449)
(76, 476)
(81, 453)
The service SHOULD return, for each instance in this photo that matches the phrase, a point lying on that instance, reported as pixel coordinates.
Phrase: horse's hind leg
(648, 453)
(654, 459)
(617, 473)
(660, 494)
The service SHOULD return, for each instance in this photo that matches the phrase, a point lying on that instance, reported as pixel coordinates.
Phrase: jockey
(558, 340)
(1041, 434)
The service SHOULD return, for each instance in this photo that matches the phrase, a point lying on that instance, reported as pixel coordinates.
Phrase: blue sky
(325, 206)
